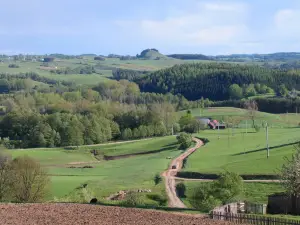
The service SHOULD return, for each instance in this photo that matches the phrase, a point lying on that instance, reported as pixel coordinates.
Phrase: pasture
(105, 177)
(252, 192)
(243, 150)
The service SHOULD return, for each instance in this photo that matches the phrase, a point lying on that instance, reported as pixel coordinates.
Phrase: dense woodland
(213, 80)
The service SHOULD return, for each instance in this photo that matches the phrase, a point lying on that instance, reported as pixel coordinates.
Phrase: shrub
(185, 140)
(13, 66)
(180, 189)
(228, 186)
(157, 179)
(203, 199)
(162, 201)
(133, 200)
(257, 128)
(29, 180)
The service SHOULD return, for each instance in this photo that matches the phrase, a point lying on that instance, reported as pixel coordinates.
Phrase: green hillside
(151, 54)
(105, 177)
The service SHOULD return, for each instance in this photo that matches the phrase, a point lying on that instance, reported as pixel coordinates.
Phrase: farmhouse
(212, 124)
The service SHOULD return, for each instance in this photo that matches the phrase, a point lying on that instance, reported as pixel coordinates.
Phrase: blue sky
(127, 27)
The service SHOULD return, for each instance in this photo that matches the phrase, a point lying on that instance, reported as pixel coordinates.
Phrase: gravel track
(75, 214)
(170, 174)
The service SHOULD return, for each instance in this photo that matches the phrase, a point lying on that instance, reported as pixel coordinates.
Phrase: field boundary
(109, 158)
(206, 176)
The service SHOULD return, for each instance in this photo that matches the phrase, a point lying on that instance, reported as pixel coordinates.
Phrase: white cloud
(207, 24)
(287, 23)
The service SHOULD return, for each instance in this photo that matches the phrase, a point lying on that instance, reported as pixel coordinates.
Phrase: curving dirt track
(170, 174)
(77, 214)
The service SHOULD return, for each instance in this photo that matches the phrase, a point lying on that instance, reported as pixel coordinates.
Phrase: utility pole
(267, 140)
(218, 130)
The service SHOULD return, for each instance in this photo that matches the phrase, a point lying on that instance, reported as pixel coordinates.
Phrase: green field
(106, 177)
(103, 68)
(252, 192)
(274, 120)
(243, 150)
(243, 153)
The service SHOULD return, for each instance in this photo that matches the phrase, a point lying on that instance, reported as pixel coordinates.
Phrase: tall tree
(252, 108)
(235, 91)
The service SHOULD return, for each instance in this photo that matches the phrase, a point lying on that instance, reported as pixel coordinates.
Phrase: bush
(162, 201)
(185, 140)
(133, 200)
(203, 199)
(228, 186)
(226, 189)
(13, 66)
(257, 128)
(157, 179)
(29, 180)
(180, 189)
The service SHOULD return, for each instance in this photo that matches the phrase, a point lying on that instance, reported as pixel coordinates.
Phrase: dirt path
(170, 174)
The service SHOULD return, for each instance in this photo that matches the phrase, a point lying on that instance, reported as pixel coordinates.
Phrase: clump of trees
(189, 124)
(22, 180)
(99, 58)
(78, 70)
(185, 140)
(13, 66)
(227, 188)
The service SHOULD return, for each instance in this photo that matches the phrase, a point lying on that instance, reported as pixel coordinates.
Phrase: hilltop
(151, 54)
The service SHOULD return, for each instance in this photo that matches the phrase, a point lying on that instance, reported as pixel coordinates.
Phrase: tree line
(113, 110)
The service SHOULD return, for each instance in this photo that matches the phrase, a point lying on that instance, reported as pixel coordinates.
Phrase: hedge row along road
(170, 174)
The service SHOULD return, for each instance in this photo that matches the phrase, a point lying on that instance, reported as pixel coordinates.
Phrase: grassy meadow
(242, 149)
(252, 192)
(106, 177)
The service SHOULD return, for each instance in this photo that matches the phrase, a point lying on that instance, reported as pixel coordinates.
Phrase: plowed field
(62, 214)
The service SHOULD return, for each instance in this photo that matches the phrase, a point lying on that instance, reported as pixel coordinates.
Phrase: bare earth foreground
(40, 214)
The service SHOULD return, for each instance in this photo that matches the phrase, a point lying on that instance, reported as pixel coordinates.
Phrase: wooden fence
(253, 219)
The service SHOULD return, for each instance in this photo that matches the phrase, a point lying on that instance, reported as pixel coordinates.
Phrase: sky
(210, 27)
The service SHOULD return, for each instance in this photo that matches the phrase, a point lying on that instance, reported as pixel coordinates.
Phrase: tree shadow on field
(264, 149)
(139, 153)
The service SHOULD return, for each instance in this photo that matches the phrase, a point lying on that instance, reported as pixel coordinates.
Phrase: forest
(213, 80)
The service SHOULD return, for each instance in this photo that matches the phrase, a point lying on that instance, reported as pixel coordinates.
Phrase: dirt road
(170, 174)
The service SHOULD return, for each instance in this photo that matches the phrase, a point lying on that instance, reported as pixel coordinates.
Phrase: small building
(212, 124)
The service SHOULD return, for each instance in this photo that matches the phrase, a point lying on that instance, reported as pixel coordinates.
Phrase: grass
(252, 192)
(243, 153)
(137, 147)
(103, 67)
(243, 150)
(274, 120)
(106, 177)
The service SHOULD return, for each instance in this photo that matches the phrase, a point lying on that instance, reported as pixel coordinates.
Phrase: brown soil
(170, 174)
(63, 214)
